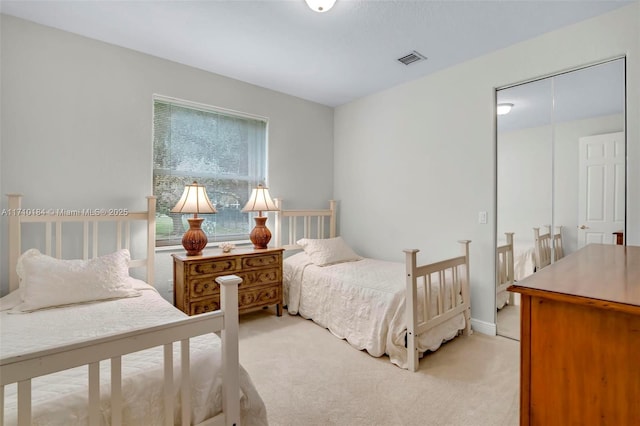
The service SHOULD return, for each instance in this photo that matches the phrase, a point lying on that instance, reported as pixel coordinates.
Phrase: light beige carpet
(307, 376)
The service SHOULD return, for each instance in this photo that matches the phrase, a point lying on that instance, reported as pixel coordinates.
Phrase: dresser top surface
(597, 271)
(217, 253)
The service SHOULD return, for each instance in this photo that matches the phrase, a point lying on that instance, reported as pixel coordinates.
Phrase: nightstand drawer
(258, 277)
(261, 261)
(261, 296)
(203, 306)
(248, 300)
(213, 267)
(205, 286)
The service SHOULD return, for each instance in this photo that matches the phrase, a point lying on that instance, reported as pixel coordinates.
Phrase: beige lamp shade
(194, 200)
(260, 201)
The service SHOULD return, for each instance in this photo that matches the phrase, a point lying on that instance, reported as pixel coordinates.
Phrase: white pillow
(328, 251)
(47, 281)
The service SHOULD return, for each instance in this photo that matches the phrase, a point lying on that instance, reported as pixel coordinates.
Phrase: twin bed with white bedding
(61, 398)
(398, 309)
(50, 355)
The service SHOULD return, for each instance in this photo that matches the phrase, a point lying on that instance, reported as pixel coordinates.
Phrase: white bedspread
(523, 252)
(61, 398)
(523, 263)
(362, 302)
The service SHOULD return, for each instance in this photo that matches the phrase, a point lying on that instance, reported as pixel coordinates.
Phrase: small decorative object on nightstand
(227, 247)
(195, 290)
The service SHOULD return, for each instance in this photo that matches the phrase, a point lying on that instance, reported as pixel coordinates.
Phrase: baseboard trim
(483, 327)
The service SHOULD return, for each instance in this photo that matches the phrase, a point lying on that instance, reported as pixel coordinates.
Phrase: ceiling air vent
(411, 58)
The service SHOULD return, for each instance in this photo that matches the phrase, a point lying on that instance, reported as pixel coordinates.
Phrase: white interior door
(601, 198)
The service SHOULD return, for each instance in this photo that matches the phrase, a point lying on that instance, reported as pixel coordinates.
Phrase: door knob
(583, 227)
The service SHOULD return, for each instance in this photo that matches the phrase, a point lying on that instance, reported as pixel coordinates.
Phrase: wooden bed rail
(22, 368)
(419, 278)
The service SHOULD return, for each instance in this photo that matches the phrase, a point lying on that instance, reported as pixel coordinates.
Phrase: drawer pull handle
(206, 286)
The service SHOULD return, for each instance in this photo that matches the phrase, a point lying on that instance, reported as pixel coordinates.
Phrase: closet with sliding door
(561, 170)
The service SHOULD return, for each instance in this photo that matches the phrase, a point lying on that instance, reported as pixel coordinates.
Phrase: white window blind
(222, 150)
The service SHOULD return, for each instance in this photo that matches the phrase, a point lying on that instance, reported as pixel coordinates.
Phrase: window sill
(210, 245)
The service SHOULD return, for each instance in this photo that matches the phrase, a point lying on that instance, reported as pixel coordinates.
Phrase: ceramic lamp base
(194, 240)
(260, 236)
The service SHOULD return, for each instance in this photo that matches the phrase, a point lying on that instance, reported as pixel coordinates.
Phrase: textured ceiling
(330, 58)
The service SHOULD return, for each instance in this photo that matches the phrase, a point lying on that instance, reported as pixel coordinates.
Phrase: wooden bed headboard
(53, 220)
(314, 224)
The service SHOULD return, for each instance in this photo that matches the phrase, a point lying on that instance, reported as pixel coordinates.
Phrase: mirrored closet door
(560, 151)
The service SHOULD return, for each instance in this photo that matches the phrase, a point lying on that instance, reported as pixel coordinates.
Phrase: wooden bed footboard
(452, 296)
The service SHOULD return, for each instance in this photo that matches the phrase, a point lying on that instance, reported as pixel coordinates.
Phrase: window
(223, 150)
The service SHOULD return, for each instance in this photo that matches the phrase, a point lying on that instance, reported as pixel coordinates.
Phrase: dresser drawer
(203, 306)
(262, 296)
(213, 267)
(247, 300)
(272, 259)
(207, 286)
(259, 277)
(203, 286)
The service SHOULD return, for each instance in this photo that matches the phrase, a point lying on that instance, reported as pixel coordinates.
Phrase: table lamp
(194, 200)
(260, 201)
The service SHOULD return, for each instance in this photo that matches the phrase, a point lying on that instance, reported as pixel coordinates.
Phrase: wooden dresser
(195, 290)
(580, 339)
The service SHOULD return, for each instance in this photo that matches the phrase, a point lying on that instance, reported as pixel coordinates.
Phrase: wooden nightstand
(195, 290)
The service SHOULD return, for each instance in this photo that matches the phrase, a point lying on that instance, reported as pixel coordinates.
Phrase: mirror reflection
(560, 174)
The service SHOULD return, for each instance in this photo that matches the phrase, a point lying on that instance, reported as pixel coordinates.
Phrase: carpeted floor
(307, 376)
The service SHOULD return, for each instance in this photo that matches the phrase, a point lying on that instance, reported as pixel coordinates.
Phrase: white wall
(77, 125)
(524, 196)
(524, 182)
(414, 164)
